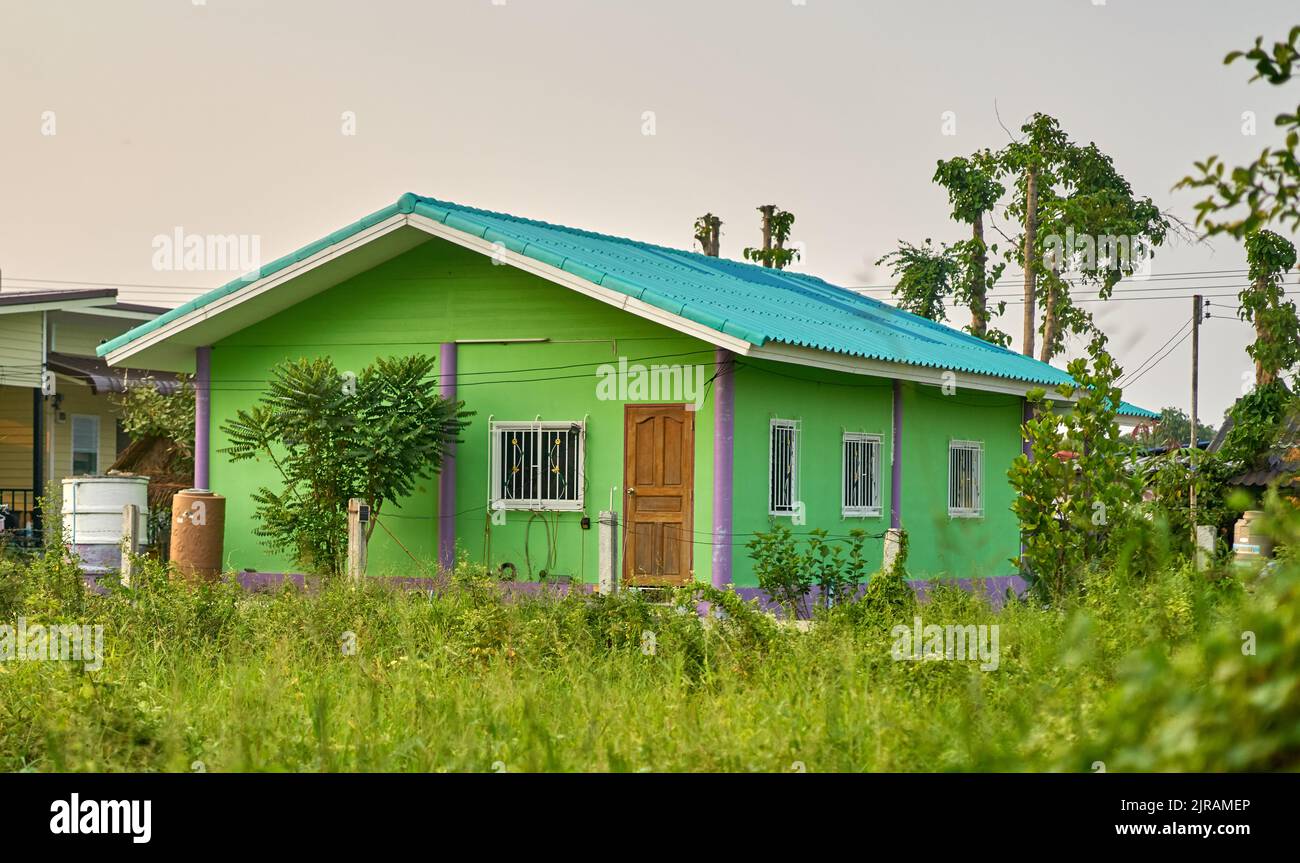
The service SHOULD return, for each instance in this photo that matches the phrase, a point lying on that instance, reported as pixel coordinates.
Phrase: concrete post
(358, 518)
(1204, 545)
(130, 541)
(608, 543)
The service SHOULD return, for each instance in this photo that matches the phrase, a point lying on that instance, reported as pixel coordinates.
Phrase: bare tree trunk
(768, 210)
(1050, 318)
(1262, 337)
(979, 309)
(1031, 231)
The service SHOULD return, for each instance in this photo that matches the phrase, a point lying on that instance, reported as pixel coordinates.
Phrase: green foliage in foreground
(1141, 672)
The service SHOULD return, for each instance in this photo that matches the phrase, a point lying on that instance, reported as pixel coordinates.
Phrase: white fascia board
(434, 228)
(902, 371)
(255, 289)
(579, 284)
(105, 312)
(83, 306)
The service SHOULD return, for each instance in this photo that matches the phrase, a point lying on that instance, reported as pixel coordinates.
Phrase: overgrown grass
(1141, 672)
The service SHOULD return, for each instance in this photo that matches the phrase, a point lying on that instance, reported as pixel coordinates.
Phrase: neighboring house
(1278, 467)
(818, 407)
(52, 390)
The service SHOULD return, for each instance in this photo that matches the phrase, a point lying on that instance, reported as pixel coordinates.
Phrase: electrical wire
(1162, 357)
(1138, 370)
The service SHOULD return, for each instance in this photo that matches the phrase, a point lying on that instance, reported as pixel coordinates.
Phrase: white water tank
(92, 517)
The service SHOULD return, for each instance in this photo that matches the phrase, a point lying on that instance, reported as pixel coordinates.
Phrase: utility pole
(1196, 357)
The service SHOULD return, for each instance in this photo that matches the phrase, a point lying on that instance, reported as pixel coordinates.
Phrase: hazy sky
(228, 117)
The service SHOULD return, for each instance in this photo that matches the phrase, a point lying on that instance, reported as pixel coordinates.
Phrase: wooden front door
(658, 494)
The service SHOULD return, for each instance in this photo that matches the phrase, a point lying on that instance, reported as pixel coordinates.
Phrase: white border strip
(583, 286)
(255, 289)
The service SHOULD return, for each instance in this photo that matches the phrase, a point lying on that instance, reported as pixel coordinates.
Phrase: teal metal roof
(750, 302)
(1128, 409)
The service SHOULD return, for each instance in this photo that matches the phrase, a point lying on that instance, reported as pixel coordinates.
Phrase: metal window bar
(17, 506)
(861, 487)
(783, 467)
(965, 467)
(537, 465)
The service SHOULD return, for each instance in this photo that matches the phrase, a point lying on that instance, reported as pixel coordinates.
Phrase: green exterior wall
(440, 292)
(938, 544)
(826, 404)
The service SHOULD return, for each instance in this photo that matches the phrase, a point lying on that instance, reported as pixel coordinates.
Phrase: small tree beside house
(332, 436)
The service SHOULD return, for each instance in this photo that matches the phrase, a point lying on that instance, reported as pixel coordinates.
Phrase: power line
(1183, 275)
(1010, 278)
(1139, 369)
(1162, 358)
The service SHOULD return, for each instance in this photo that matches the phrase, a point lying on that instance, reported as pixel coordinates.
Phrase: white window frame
(977, 449)
(774, 507)
(72, 443)
(538, 504)
(873, 508)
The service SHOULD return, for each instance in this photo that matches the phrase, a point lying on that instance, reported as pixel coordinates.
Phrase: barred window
(861, 486)
(783, 467)
(965, 478)
(537, 465)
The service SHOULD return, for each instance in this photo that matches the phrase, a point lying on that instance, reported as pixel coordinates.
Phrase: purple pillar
(202, 415)
(724, 439)
(447, 477)
(896, 468)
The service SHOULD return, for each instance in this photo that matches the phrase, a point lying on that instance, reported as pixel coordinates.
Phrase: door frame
(688, 510)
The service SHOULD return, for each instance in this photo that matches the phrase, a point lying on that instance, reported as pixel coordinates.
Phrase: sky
(283, 121)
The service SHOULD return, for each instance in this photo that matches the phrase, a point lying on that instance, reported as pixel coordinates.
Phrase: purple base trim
(263, 582)
(993, 589)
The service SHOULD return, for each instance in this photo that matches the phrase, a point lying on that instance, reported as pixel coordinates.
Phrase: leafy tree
(1277, 330)
(973, 191)
(331, 438)
(1079, 484)
(1032, 160)
(927, 277)
(1267, 190)
(1173, 429)
(776, 232)
(148, 412)
(1082, 226)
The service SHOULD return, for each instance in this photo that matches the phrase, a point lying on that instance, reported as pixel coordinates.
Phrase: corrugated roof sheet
(744, 300)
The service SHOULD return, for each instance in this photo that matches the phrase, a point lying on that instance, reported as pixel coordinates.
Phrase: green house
(689, 400)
